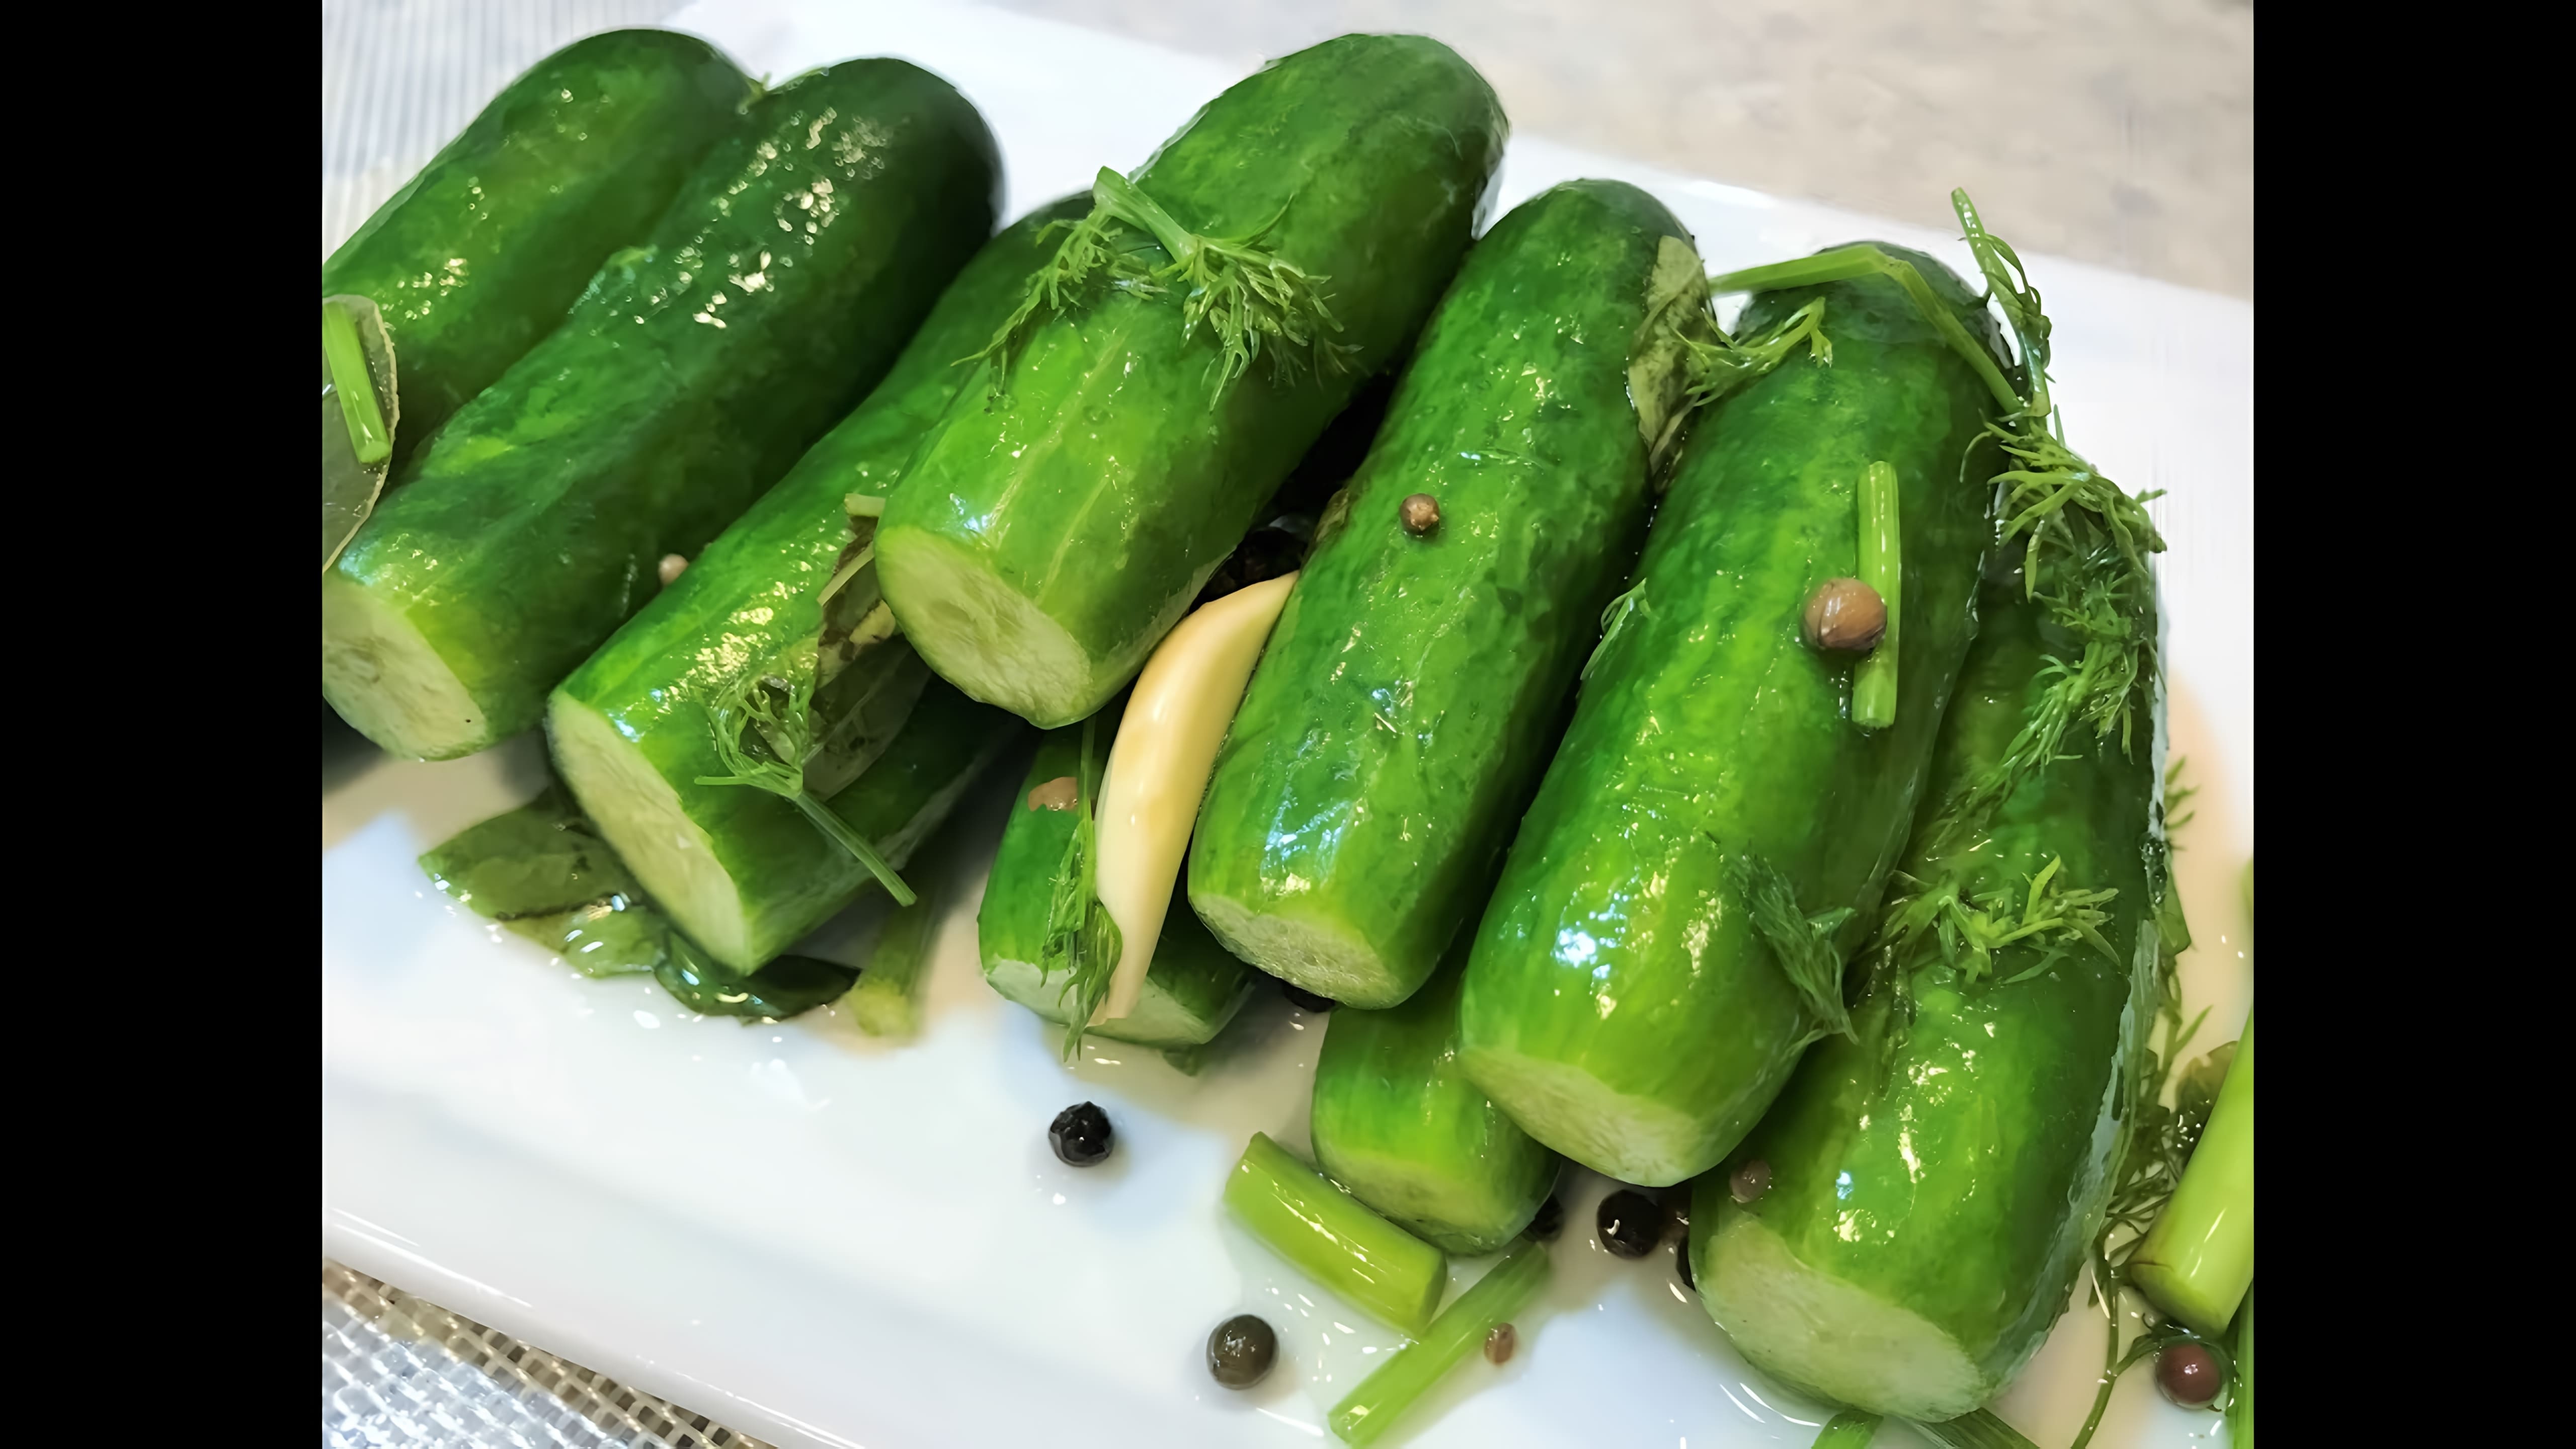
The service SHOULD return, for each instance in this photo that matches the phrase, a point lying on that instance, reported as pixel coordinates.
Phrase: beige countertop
(2121, 134)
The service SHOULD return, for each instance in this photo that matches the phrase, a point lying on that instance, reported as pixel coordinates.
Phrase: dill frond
(1801, 943)
(1249, 299)
(763, 728)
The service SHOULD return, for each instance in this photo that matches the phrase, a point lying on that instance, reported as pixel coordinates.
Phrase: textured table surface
(2122, 135)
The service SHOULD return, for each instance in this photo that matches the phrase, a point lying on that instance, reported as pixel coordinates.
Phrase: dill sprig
(764, 732)
(1801, 943)
(2049, 914)
(1249, 298)
(1720, 365)
(1081, 940)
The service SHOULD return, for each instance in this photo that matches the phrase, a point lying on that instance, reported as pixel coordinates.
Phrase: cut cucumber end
(982, 635)
(641, 815)
(1632, 1139)
(389, 683)
(1826, 1336)
(1450, 1215)
(1307, 955)
(1158, 1020)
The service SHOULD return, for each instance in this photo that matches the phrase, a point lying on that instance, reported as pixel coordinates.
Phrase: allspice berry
(1500, 1343)
(1845, 615)
(1420, 514)
(1061, 793)
(670, 569)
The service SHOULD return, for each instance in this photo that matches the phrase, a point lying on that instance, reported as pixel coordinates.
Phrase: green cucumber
(1399, 1125)
(774, 292)
(1936, 1182)
(738, 869)
(1620, 1003)
(480, 255)
(1414, 686)
(1061, 528)
(1194, 988)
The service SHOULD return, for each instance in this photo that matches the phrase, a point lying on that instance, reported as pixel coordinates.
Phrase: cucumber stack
(1415, 684)
(1936, 1179)
(482, 253)
(1066, 516)
(1620, 1002)
(773, 293)
(632, 732)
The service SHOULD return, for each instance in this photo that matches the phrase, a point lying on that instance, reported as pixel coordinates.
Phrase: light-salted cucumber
(1196, 334)
(1416, 684)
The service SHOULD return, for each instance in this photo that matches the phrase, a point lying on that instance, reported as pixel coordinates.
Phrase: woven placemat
(402, 1371)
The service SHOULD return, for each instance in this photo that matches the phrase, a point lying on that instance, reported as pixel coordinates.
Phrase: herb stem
(1882, 567)
(347, 359)
(1381, 1399)
(840, 833)
(1844, 264)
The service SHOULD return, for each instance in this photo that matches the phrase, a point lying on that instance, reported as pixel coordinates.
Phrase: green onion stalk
(347, 359)
(1334, 1239)
(1881, 564)
(1370, 1410)
(886, 1002)
(2198, 1260)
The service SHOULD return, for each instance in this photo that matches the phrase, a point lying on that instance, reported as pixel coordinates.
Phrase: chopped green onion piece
(1850, 1429)
(887, 1000)
(348, 363)
(1381, 1399)
(1977, 1429)
(1882, 567)
(2197, 1262)
(1333, 1238)
(864, 505)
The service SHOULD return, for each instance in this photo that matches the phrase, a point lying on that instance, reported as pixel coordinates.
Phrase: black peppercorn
(1080, 1135)
(1631, 1223)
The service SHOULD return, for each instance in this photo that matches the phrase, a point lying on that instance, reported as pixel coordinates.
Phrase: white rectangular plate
(821, 1240)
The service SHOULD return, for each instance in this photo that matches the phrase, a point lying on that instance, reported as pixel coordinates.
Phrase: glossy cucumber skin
(1413, 688)
(1618, 1002)
(482, 253)
(1961, 1173)
(1398, 1124)
(1104, 488)
(751, 596)
(819, 235)
(1200, 983)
